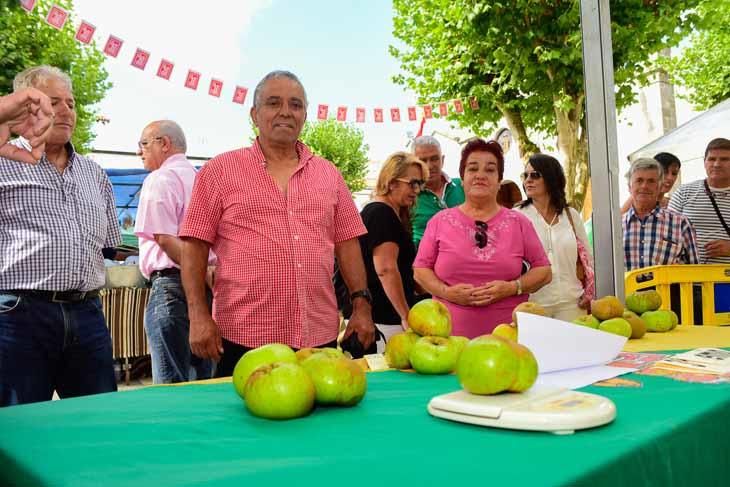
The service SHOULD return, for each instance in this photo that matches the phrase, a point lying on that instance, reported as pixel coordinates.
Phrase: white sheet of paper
(558, 345)
(584, 376)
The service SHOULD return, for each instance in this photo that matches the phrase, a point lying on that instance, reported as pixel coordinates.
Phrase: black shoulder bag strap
(717, 210)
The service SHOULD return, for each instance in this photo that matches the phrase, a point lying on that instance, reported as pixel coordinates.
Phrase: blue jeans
(168, 332)
(46, 346)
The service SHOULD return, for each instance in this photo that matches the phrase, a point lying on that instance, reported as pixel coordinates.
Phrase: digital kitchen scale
(559, 411)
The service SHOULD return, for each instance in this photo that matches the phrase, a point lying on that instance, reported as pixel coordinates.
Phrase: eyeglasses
(531, 175)
(415, 184)
(142, 144)
(480, 236)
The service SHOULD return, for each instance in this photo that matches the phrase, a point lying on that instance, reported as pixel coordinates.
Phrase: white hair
(426, 141)
(172, 130)
(274, 75)
(642, 164)
(39, 76)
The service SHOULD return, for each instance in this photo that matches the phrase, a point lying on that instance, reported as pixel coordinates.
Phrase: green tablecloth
(666, 433)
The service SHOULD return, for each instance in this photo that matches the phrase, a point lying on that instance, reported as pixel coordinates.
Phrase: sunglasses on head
(413, 183)
(530, 175)
(480, 236)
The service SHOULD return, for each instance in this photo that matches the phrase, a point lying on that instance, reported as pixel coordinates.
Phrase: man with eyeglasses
(57, 213)
(163, 200)
(440, 191)
(275, 215)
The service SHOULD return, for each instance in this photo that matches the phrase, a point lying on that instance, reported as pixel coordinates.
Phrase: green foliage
(26, 40)
(343, 145)
(703, 67)
(523, 61)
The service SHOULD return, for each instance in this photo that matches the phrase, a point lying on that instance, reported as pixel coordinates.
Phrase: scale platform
(559, 411)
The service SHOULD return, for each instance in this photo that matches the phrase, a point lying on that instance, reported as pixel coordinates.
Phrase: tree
(703, 67)
(523, 62)
(27, 40)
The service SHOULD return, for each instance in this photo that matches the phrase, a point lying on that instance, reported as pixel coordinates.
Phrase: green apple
(675, 319)
(527, 373)
(658, 321)
(434, 355)
(280, 390)
(338, 381)
(305, 353)
(264, 355)
(642, 301)
(587, 320)
(617, 326)
(488, 365)
(430, 318)
(460, 342)
(398, 349)
(506, 331)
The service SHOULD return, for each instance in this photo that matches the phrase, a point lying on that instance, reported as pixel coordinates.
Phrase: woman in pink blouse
(471, 256)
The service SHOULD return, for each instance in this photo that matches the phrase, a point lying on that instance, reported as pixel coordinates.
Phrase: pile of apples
(487, 364)
(277, 383)
(640, 315)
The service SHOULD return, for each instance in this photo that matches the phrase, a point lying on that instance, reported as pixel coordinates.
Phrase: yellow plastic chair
(687, 276)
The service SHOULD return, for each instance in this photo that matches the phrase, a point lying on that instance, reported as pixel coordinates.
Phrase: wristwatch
(362, 293)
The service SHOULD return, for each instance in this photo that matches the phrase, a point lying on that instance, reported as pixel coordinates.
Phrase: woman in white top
(544, 185)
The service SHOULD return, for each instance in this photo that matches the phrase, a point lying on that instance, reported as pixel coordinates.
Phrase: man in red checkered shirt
(276, 216)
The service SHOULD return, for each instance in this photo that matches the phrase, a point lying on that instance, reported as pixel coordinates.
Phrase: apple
(264, 355)
(434, 355)
(528, 307)
(460, 342)
(527, 373)
(488, 365)
(587, 320)
(305, 353)
(430, 318)
(338, 381)
(638, 327)
(617, 326)
(398, 349)
(280, 390)
(506, 331)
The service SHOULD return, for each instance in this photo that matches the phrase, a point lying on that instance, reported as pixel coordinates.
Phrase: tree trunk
(572, 143)
(517, 127)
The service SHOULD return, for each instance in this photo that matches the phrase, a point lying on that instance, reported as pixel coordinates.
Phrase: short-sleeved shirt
(692, 201)
(384, 226)
(53, 225)
(275, 250)
(162, 203)
(428, 204)
(449, 249)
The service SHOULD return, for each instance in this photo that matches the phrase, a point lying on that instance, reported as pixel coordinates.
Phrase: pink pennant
(165, 69)
(140, 59)
(378, 115)
(85, 32)
(28, 5)
(57, 17)
(192, 79)
(215, 87)
(427, 111)
(239, 94)
(322, 112)
(395, 114)
(474, 103)
(443, 109)
(412, 114)
(360, 115)
(341, 114)
(458, 106)
(112, 46)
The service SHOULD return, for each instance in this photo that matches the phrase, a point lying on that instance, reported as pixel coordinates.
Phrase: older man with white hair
(162, 203)
(654, 235)
(56, 215)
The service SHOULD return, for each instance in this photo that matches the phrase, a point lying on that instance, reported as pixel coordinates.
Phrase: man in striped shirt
(56, 215)
(275, 215)
(694, 200)
(653, 235)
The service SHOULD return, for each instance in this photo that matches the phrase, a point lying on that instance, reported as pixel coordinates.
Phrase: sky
(339, 49)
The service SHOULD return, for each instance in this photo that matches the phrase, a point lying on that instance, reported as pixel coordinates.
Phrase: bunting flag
(85, 32)
(239, 95)
(140, 59)
(322, 112)
(58, 18)
(420, 129)
(165, 69)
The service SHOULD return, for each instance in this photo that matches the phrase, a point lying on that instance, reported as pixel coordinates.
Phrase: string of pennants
(58, 17)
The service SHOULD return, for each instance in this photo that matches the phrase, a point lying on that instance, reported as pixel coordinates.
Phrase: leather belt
(57, 296)
(169, 272)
